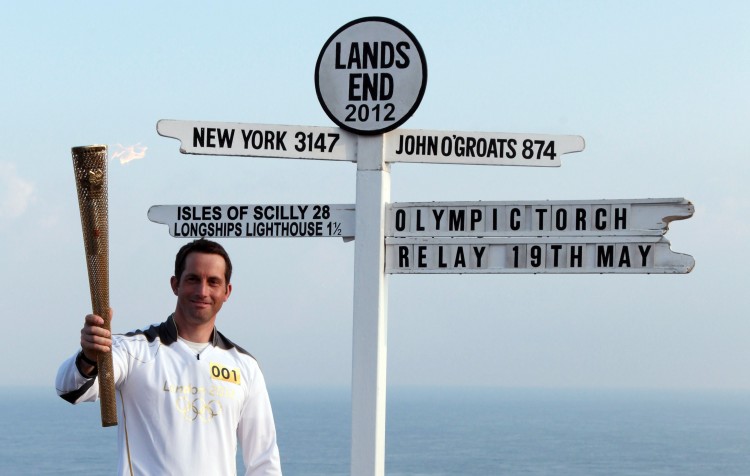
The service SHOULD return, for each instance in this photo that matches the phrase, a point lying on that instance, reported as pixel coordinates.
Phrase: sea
(434, 431)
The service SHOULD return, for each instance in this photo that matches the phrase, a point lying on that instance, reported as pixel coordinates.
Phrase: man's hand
(95, 339)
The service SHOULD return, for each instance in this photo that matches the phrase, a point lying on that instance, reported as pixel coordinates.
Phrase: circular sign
(371, 75)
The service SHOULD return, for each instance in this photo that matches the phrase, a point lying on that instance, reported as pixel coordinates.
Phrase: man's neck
(193, 333)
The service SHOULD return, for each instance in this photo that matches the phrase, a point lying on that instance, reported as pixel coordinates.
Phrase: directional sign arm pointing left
(260, 140)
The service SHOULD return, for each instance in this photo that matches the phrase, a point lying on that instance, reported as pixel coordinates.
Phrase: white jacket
(180, 412)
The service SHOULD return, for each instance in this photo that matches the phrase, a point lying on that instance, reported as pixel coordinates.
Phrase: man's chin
(200, 315)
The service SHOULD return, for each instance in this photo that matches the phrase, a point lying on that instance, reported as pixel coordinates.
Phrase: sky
(658, 90)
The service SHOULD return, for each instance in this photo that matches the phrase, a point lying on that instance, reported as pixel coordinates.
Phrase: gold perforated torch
(90, 167)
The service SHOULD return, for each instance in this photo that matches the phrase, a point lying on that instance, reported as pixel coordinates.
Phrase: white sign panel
(260, 140)
(553, 255)
(371, 75)
(479, 148)
(403, 145)
(535, 218)
(256, 221)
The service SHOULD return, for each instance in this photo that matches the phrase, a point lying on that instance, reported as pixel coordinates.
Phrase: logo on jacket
(197, 409)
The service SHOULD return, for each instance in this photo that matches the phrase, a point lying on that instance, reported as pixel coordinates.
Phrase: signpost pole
(369, 328)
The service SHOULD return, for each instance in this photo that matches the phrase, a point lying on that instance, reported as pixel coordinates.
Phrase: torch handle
(106, 376)
(90, 167)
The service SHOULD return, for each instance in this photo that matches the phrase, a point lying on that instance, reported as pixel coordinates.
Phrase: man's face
(202, 289)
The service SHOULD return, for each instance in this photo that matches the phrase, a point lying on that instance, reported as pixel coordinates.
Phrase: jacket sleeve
(77, 388)
(256, 431)
(74, 387)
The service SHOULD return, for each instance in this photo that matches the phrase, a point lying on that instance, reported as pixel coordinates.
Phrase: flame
(130, 152)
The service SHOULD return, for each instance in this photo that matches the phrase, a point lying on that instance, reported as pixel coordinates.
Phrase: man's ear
(229, 291)
(173, 282)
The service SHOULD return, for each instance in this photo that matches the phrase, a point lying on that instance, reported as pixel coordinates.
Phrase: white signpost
(370, 77)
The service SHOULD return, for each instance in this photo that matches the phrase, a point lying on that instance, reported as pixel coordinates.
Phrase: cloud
(130, 152)
(15, 192)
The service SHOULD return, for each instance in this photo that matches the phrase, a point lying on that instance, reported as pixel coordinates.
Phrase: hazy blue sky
(659, 91)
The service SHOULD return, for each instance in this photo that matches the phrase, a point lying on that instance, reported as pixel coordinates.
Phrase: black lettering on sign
(536, 256)
(580, 219)
(441, 260)
(620, 218)
(460, 261)
(422, 256)
(403, 62)
(319, 212)
(235, 212)
(400, 224)
(576, 256)
(310, 142)
(209, 137)
(555, 255)
(600, 219)
(372, 55)
(269, 143)
(373, 86)
(561, 219)
(417, 145)
(362, 113)
(516, 256)
(644, 249)
(605, 256)
(438, 214)
(419, 225)
(624, 257)
(203, 213)
(264, 140)
(210, 229)
(512, 148)
(538, 149)
(281, 135)
(339, 64)
(199, 137)
(476, 217)
(354, 86)
(226, 137)
(446, 146)
(515, 222)
(478, 252)
(541, 217)
(470, 143)
(456, 220)
(355, 60)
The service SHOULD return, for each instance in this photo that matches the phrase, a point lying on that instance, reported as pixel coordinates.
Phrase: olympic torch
(90, 167)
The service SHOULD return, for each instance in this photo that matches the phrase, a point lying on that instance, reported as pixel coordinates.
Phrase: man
(186, 394)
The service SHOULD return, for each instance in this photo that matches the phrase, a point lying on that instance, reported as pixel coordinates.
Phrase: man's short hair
(202, 245)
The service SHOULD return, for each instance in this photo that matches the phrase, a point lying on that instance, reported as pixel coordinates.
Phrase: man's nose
(203, 288)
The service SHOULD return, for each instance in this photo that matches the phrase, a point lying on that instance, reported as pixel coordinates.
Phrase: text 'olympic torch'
(90, 167)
